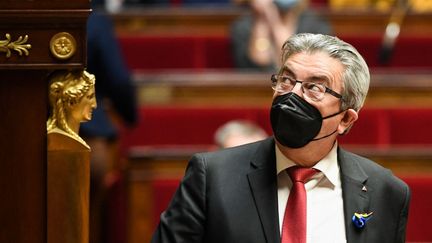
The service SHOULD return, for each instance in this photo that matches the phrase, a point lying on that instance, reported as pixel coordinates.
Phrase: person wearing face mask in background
(256, 38)
(242, 194)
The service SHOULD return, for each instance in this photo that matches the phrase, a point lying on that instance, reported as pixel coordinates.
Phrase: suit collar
(263, 184)
(355, 192)
(265, 155)
(350, 166)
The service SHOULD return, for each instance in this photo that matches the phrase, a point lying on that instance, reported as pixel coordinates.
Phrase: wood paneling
(388, 88)
(40, 26)
(22, 156)
(23, 108)
(43, 4)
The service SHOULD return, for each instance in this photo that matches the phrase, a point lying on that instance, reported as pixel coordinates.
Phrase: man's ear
(347, 121)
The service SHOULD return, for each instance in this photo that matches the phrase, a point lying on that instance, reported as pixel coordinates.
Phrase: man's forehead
(316, 66)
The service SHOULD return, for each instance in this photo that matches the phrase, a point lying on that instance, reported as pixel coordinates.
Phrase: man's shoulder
(239, 155)
(237, 151)
(375, 172)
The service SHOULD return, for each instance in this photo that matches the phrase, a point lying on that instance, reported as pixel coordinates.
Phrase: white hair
(356, 75)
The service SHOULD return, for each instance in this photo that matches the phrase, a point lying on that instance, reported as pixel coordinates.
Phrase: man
(240, 194)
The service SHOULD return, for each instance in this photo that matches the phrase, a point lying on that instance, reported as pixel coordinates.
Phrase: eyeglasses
(314, 91)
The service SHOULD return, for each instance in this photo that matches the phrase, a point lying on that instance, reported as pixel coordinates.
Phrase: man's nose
(297, 89)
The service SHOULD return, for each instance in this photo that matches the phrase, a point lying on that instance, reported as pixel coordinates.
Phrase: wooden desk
(216, 21)
(388, 88)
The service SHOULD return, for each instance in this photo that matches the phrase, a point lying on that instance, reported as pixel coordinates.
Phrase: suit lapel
(355, 194)
(263, 184)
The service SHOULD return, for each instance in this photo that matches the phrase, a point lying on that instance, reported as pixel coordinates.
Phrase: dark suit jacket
(231, 196)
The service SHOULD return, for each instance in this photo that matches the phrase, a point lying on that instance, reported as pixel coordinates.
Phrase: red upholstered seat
(370, 129)
(179, 52)
(163, 190)
(419, 223)
(116, 208)
(167, 125)
(206, 52)
(409, 51)
(410, 126)
(186, 125)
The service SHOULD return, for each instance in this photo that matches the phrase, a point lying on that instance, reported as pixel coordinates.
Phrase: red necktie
(294, 222)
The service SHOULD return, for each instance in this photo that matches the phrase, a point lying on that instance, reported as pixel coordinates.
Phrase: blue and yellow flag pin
(359, 219)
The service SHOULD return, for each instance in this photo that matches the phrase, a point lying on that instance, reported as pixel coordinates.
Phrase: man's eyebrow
(319, 78)
(288, 71)
(316, 78)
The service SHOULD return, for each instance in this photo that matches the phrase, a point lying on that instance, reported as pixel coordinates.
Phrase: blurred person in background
(256, 38)
(381, 5)
(238, 132)
(115, 94)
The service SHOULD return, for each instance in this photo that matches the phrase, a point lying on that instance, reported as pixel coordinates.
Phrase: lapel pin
(359, 219)
(364, 188)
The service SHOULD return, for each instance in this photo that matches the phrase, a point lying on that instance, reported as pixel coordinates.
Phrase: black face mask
(295, 122)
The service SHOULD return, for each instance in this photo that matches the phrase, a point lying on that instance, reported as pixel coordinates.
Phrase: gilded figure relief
(72, 99)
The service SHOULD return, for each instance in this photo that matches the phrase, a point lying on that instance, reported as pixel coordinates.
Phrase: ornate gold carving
(18, 45)
(63, 45)
(72, 101)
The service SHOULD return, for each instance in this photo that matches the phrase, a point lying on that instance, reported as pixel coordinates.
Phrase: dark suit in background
(113, 80)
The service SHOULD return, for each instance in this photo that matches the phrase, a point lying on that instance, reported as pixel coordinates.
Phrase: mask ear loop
(335, 114)
(328, 135)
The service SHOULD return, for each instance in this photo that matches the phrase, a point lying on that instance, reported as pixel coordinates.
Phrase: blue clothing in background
(113, 82)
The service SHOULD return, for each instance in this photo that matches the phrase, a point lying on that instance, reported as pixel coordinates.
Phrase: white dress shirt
(325, 215)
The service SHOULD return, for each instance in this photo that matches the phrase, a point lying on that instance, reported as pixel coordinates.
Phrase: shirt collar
(328, 165)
